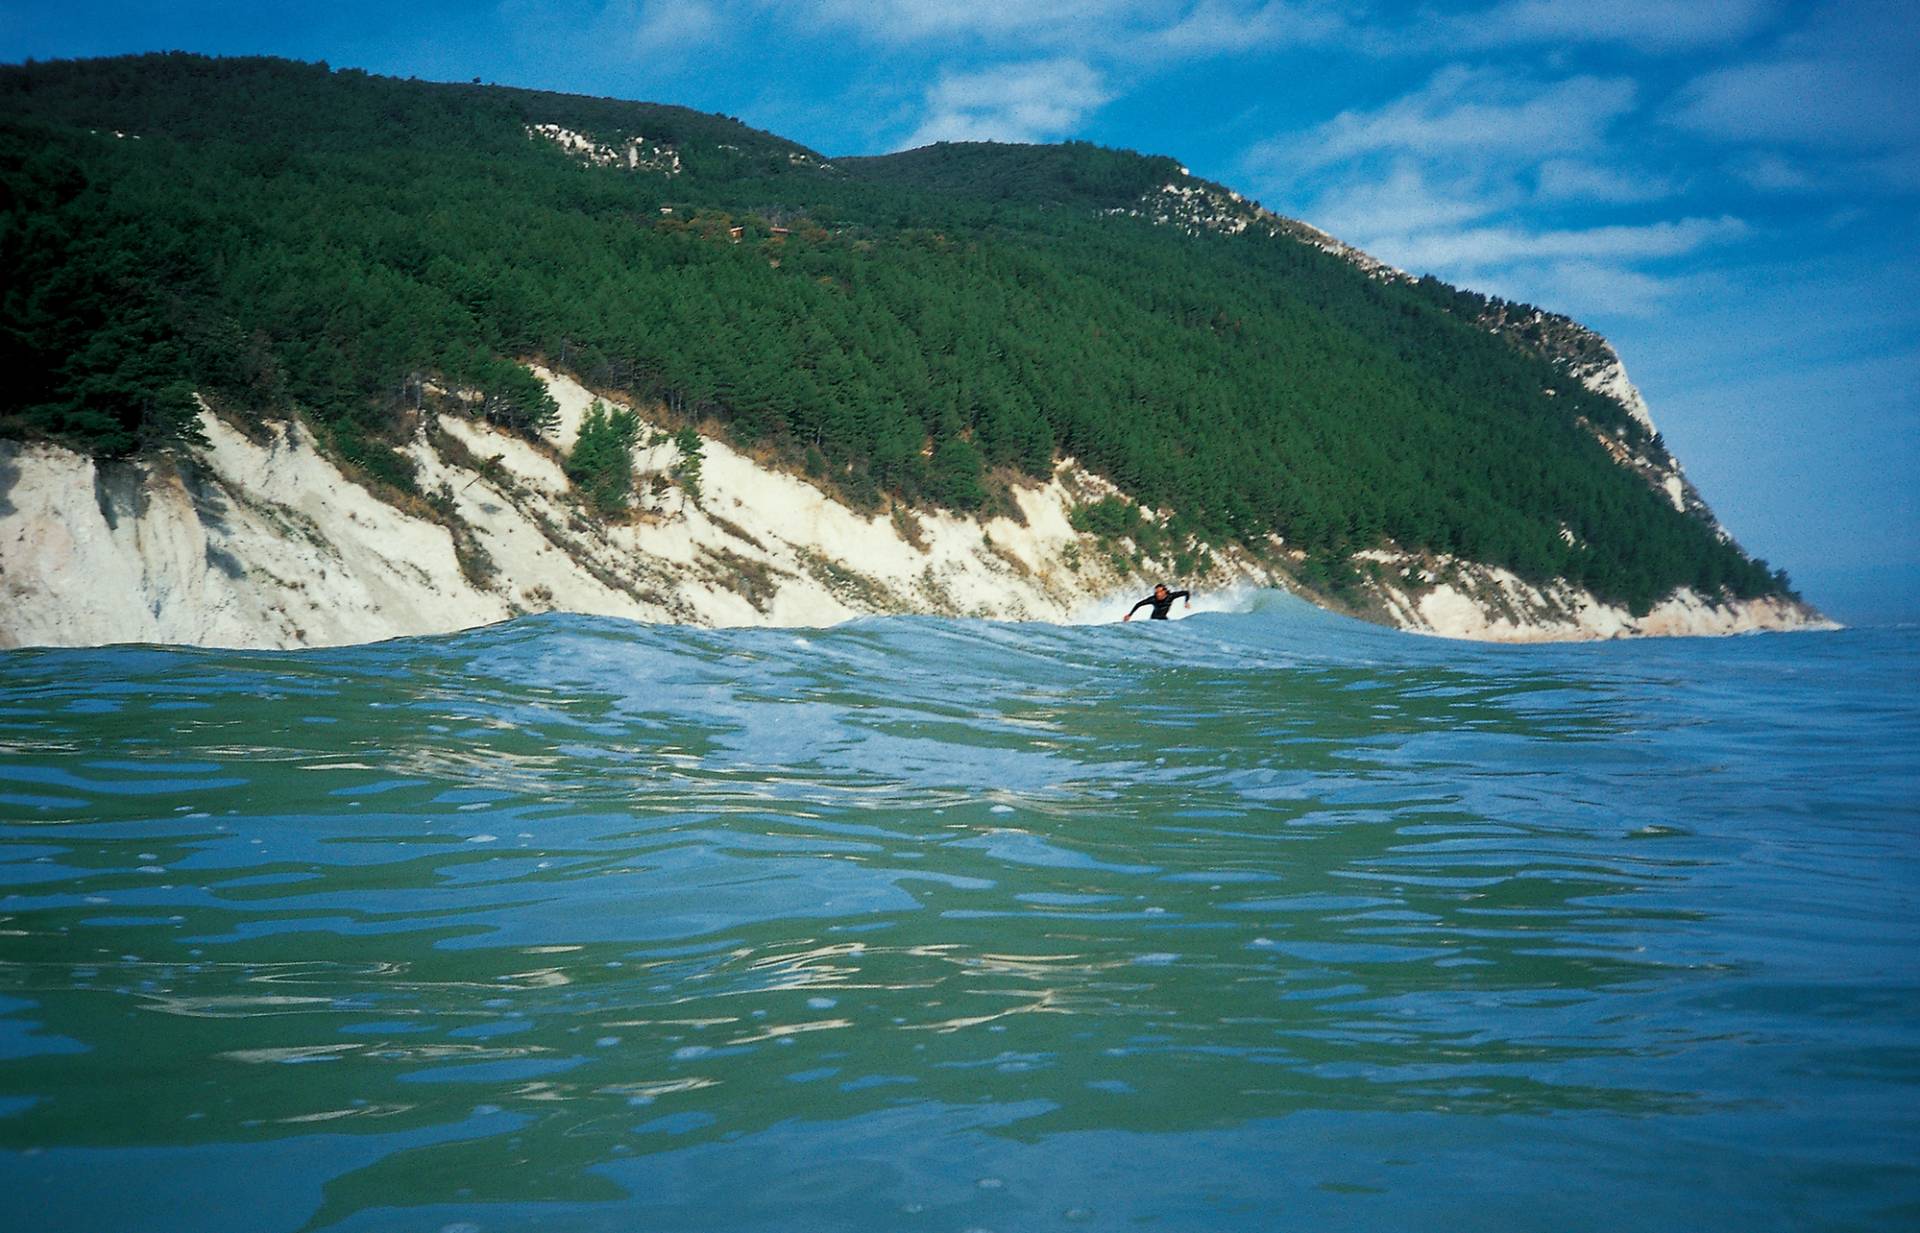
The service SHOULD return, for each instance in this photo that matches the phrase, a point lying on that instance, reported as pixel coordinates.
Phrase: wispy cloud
(1185, 28)
(663, 25)
(1801, 101)
(1846, 80)
(1464, 111)
(909, 21)
(1035, 101)
(1579, 180)
(1494, 246)
(1645, 25)
(662, 35)
(1596, 286)
(1133, 30)
(1215, 27)
(1500, 180)
(1406, 200)
(1773, 172)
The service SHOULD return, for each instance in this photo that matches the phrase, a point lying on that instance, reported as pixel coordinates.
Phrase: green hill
(284, 239)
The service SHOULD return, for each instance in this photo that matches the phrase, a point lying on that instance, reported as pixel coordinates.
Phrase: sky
(1726, 189)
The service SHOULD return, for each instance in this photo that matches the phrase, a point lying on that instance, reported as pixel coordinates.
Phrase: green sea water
(1258, 920)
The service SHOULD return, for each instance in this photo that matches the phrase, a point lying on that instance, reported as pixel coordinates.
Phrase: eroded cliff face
(266, 543)
(1463, 599)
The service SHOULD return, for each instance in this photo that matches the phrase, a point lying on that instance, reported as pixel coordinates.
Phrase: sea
(1262, 919)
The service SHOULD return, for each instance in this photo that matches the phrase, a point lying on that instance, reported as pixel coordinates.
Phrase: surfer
(1162, 600)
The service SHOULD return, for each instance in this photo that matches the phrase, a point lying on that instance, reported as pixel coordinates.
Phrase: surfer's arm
(1186, 595)
(1137, 607)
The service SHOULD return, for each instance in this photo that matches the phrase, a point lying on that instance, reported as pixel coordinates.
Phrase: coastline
(268, 543)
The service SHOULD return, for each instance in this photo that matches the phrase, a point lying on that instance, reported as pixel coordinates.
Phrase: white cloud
(1603, 287)
(1403, 202)
(1125, 29)
(911, 21)
(1459, 178)
(664, 25)
(1645, 25)
(1596, 286)
(1774, 173)
(583, 34)
(1465, 111)
(1843, 81)
(1566, 179)
(1037, 101)
(1182, 28)
(1496, 246)
(1807, 102)
(1829, 107)
(1588, 288)
(1216, 26)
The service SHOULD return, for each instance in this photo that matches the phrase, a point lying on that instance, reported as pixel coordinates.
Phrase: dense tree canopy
(286, 239)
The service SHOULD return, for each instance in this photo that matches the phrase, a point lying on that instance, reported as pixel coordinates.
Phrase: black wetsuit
(1160, 606)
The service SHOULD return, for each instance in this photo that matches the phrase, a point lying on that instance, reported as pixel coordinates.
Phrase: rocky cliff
(262, 540)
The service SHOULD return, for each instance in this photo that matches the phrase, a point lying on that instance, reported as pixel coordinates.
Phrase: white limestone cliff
(267, 543)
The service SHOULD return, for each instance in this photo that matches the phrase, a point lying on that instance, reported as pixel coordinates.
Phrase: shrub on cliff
(686, 469)
(953, 475)
(601, 462)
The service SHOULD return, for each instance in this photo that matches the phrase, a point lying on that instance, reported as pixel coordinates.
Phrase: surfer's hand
(1126, 618)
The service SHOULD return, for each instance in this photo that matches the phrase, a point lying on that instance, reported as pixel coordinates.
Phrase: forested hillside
(288, 240)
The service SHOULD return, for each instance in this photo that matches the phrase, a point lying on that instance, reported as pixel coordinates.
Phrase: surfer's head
(1159, 590)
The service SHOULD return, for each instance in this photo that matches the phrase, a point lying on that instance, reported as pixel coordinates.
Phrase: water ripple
(965, 923)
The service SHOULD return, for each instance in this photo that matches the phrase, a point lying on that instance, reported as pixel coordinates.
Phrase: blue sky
(1725, 188)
